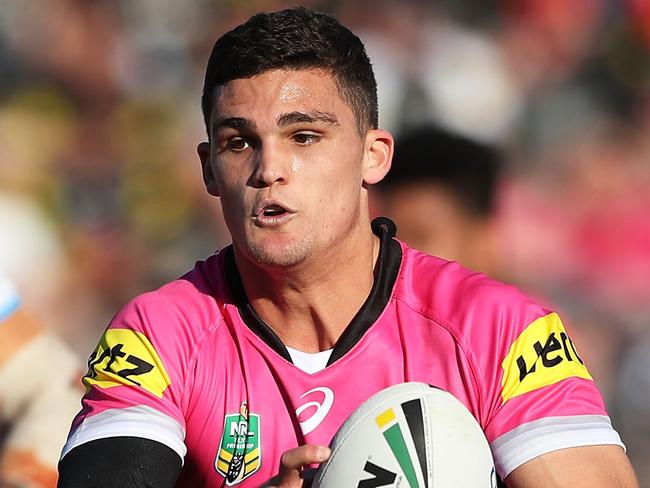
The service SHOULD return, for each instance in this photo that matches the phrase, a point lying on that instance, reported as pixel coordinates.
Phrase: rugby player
(240, 372)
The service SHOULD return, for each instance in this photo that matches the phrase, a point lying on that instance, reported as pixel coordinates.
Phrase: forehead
(279, 91)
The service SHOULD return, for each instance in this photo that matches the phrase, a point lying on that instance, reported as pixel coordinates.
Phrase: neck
(309, 305)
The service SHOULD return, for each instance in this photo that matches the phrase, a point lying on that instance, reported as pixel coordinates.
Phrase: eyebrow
(238, 123)
(306, 117)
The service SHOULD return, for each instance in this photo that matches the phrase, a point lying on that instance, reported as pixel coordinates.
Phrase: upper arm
(545, 401)
(119, 461)
(602, 466)
(136, 388)
(135, 383)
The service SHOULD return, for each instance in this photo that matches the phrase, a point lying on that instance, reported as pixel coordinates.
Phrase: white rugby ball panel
(409, 435)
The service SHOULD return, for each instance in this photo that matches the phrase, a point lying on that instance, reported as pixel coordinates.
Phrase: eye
(237, 144)
(306, 138)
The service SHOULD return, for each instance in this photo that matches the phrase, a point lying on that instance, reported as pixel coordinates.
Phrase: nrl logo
(239, 454)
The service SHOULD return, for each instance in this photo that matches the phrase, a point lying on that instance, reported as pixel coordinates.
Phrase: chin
(279, 255)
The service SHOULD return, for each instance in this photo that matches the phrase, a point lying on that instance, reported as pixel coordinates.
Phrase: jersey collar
(388, 264)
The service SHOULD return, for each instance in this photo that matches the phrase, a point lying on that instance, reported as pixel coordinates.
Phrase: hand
(292, 464)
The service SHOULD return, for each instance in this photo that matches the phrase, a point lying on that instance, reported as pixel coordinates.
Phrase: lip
(260, 219)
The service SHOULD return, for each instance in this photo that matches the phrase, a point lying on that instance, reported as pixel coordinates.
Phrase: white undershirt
(310, 362)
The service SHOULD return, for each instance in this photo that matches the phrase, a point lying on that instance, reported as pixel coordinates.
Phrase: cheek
(232, 201)
(339, 173)
(335, 187)
(229, 180)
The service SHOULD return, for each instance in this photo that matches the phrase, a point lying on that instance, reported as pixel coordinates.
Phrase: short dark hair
(294, 39)
(469, 169)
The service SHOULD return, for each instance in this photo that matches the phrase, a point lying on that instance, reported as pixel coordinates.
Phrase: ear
(203, 150)
(379, 155)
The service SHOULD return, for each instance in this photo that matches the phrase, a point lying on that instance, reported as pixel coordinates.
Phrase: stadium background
(100, 189)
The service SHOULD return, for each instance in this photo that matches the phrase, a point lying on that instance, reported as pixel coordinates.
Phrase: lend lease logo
(322, 408)
(542, 355)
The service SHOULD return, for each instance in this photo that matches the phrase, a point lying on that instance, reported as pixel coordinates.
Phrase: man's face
(288, 162)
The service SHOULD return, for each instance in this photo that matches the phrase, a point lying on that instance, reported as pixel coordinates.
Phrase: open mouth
(273, 211)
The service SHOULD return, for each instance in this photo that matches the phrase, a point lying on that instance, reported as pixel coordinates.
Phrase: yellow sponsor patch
(126, 357)
(542, 355)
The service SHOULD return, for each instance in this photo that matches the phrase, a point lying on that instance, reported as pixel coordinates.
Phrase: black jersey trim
(388, 264)
(246, 310)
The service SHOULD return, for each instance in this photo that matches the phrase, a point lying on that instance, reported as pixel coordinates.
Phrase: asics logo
(322, 408)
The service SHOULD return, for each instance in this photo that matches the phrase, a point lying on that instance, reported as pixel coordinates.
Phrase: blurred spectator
(547, 40)
(441, 192)
(578, 219)
(72, 42)
(31, 254)
(431, 69)
(40, 392)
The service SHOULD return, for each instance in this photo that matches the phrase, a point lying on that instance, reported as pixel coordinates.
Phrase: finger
(304, 455)
(292, 462)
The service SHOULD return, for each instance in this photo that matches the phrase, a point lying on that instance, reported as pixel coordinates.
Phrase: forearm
(120, 461)
(604, 466)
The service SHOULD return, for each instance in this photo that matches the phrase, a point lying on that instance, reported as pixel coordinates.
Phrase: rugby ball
(410, 435)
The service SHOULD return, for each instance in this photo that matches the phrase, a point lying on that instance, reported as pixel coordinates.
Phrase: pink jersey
(192, 366)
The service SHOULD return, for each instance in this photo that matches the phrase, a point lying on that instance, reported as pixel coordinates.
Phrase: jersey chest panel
(250, 405)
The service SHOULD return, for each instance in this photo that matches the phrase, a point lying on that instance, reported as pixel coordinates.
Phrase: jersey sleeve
(137, 375)
(539, 394)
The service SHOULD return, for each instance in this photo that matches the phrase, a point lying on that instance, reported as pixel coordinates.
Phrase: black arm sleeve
(128, 462)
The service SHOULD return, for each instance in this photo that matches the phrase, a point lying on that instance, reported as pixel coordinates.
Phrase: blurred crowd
(101, 194)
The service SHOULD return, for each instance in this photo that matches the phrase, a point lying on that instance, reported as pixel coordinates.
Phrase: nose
(271, 166)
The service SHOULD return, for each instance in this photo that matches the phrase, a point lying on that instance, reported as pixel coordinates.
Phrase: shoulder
(463, 300)
(501, 330)
(146, 354)
(191, 304)
(531, 382)
(168, 326)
